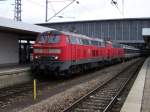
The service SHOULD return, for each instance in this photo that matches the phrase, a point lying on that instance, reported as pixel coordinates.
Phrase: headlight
(38, 50)
(57, 51)
(36, 57)
(56, 57)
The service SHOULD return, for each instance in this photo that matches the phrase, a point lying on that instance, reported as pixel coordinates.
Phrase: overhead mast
(17, 10)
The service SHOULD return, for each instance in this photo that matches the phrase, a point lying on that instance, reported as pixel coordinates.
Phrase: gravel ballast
(62, 100)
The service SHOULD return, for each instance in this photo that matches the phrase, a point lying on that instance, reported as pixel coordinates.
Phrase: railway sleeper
(94, 107)
(92, 103)
(100, 98)
(111, 90)
(103, 96)
(107, 94)
(98, 101)
(83, 110)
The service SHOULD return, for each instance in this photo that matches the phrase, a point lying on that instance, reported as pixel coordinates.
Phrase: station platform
(14, 74)
(138, 99)
(9, 69)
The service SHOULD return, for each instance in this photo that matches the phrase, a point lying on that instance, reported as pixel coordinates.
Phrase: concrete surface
(14, 76)
(146, 94)
(133, 102)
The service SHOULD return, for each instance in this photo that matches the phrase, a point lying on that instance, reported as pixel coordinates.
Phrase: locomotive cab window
(41, 39)
(54, 39)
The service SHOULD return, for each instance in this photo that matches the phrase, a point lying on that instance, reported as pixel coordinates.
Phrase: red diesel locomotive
(63, 53)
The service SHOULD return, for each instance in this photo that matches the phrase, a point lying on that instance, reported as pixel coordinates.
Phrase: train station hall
(114, 83)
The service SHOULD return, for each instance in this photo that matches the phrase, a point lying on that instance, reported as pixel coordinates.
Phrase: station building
(126, 31)
(16, 40)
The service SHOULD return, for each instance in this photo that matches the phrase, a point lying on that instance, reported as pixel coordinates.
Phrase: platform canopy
(21, 27)
(15, 41)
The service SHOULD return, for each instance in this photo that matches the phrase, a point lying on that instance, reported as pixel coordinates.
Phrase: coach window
(99, 44)
(92, 42)
(96, 43)
(103, 44)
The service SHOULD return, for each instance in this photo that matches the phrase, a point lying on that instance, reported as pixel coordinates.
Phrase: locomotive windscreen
(42, 39)
(48, 38)
(53, 38)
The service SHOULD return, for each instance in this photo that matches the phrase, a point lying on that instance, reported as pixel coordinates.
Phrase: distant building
(128, 30)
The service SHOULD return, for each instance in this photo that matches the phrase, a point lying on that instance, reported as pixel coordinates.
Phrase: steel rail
(20, 90)
(119, 92)
(80, 100)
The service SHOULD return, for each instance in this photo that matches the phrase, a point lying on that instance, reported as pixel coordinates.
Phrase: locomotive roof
(90, 38)
(74, 34)
(83, 36)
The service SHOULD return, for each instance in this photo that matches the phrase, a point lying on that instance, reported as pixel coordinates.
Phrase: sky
(33, 11)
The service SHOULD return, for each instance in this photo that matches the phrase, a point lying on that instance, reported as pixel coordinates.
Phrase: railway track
(102, 98)
(9, 96)
(21, 90)
(14, 90)
(10, 91)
